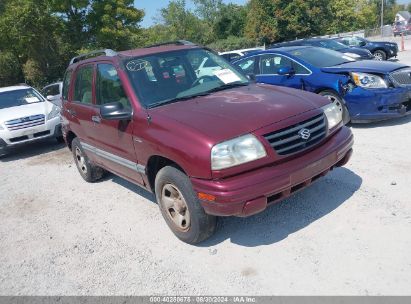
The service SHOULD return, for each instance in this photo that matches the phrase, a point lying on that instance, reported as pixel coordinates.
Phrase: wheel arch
(154, 164)
(69, 138)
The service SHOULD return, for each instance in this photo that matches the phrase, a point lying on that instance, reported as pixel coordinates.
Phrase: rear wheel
(88, 171)
(338, 101)
(181, 208)
(380, 55)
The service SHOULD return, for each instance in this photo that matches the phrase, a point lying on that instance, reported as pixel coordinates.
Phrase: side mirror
(251, 77)
(49, 97)
(363, 43)
(115, 111)
(286, 71)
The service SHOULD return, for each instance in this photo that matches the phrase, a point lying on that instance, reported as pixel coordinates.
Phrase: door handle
(72, 112)
(96, 119)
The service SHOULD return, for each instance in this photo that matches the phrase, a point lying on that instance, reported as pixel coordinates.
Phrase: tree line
(38, 37)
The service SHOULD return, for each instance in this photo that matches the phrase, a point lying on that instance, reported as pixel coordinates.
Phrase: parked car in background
(26, 116)
(354, 52)
(53, 93)
(382, 50)
(234, 55)
(364, 91)
(401, 28)
(207, 146)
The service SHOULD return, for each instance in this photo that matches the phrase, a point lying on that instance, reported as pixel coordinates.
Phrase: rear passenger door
(113, 139)
(80, 109)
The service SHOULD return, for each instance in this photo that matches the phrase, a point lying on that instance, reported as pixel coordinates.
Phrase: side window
(108, 86)
(271, 63)
(83, 91)
(247, 65)
(66, 84)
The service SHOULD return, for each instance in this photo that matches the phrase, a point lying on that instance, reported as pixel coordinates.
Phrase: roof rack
(177, 42)
(106, 52)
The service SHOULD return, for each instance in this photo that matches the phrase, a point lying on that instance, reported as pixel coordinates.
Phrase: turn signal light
(206, 197)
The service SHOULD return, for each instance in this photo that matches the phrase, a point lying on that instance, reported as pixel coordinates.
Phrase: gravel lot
(348, 234)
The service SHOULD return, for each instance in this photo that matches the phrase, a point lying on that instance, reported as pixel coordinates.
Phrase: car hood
(233, 112)
(393, 44)
(23, 111)
(367, 66)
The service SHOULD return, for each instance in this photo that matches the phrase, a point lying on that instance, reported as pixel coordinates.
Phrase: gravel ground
(348, 234)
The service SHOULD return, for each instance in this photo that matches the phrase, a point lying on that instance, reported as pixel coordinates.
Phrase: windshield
(320, 57)
(19, 98)
(331, 44)
(168, 77)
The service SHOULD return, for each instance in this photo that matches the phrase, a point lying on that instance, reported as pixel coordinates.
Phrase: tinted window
(320, 57)
(270, 64)
(108, 87)
(83, 91)
(247, 65)
(19, 98)
(66, 84)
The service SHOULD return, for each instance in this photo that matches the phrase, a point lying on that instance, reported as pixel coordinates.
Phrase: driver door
(269, 66)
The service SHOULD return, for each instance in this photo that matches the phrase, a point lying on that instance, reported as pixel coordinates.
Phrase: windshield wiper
(177, 99)
(228, 86)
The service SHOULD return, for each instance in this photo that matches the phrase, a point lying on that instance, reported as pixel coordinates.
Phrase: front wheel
(181, 208)
(380, 55)
(338, 101)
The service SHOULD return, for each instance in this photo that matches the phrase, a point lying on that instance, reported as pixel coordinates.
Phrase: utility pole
(382, 17)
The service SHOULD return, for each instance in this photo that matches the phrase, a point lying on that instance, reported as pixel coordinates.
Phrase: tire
(88, 171)
(380, 55)
(181, 208)
(337, 100)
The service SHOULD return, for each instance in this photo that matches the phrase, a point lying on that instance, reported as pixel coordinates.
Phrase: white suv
(26, 116)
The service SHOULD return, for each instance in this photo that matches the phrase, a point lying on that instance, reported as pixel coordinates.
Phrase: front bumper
(10, 139)
(251, 192)
(379, 104)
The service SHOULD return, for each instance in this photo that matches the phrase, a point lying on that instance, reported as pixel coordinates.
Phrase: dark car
(354, 52)
(382, 50)
(365, 91)
(207, 146)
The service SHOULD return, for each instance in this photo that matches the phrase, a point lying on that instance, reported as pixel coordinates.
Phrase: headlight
(369, 81)
(55, 111)
(333, 114)
(1, 128)
(236, 151)
(352, 55)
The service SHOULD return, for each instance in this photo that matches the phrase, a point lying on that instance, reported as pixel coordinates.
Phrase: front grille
(25, 122)
(402, 77)
(288, 141)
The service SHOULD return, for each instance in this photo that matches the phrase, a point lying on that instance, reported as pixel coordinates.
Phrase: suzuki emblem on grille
(304, 134)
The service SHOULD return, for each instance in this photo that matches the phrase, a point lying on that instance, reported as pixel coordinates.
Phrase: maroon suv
(200, 136)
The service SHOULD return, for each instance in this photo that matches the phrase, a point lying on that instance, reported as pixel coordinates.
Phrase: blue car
(365, 90)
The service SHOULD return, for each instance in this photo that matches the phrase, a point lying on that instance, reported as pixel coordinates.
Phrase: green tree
(261, 23)
(230, 22)
(113, 23)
